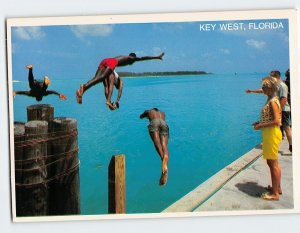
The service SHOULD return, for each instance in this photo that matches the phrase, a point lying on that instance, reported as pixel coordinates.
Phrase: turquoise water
(209, 116)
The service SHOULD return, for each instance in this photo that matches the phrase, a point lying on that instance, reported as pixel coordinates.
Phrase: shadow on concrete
(259, 146)
(251, 188)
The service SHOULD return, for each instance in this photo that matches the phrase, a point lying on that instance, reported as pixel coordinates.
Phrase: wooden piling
(116, 185)
(31, 192)
(46, 164)
(63, 169)
(19, 137)
(40, 112)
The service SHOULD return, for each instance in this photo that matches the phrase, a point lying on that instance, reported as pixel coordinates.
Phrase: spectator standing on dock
(287, 83)
(38, 89)
(159, 132)
(270, 121)
(106, 67)
(282, 94)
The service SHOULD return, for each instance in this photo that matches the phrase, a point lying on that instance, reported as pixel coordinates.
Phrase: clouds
(185, 47)
(29, 33)
(225, 51)
(82, 31)
(256, 44)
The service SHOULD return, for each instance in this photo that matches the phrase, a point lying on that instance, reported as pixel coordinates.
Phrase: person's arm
(21, 93)
(283, 93)
(61, 96)
(119, 92)
(276, 121)
(283, 101)
(258, 91)
(144, 114)
(149, 57)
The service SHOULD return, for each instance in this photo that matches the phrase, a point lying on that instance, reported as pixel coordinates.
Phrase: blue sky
(65, 52)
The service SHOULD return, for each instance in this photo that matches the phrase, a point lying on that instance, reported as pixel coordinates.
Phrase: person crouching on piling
(270, 122)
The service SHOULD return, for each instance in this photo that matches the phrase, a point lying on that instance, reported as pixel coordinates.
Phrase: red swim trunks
(108, 62)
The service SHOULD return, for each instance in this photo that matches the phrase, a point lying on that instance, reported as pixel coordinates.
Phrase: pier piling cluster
(46, 164)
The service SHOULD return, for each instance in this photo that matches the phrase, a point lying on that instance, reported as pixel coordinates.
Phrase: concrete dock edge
(204, 191)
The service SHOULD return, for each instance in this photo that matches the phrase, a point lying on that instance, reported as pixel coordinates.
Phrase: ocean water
(209, 117)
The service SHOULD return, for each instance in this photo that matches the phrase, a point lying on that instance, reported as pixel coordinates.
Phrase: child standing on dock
(269, 123)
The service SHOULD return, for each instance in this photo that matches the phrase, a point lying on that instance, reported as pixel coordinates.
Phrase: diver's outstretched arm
(21, 93)
(61, 96)
(119, 92)
(150, 57)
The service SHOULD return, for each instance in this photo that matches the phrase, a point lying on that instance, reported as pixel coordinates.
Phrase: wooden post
(63, 168)
(116, 185)
(31, 192)
(46, 164)
(40, 112)
(19, 137)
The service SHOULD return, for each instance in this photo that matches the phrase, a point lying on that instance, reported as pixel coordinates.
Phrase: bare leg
(106, 91)
(156, 140)
(269, 188)
(110, 90)
(275, 171)
(159, 148)
(99, 77)
(164, 142)
(30, 76)
(105, 84)
(288, 132)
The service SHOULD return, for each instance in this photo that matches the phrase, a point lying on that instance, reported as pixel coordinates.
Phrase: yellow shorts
(271, 140)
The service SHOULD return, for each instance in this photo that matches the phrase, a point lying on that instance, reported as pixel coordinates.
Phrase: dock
(239, 185)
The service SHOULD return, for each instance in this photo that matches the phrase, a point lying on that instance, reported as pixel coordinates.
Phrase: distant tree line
(133, 74)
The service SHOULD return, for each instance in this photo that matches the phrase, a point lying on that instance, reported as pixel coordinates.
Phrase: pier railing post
(116, 185)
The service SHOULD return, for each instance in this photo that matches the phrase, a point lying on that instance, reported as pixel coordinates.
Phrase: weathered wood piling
(40, 112)
(116, 185)
(46, 164)
(63, 167)
(30, 172)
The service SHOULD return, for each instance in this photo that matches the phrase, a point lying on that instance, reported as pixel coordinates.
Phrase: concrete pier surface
(239, 186)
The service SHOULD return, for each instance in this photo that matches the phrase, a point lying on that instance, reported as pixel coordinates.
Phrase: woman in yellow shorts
(270, 121)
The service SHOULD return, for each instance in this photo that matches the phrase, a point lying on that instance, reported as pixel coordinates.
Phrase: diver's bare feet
(164, 174)
(79, 94)
(110, 105)
(29, 66)
(163, 178)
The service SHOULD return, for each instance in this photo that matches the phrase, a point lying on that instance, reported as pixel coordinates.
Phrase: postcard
(153, 115)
